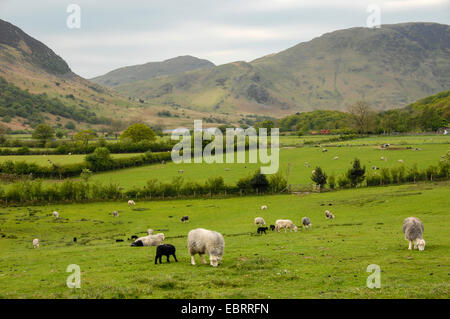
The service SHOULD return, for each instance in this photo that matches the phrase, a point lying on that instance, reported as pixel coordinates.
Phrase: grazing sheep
(165, 250)
(413, 230)
(163, 162)
(55, 214)
(181, 171)
(36, 243)
(149, 232)
(262, 230)
(324, 150)
(202, 241)
(306, 222)
(260, 221)
(150, 240)
(272, 227)
(115, 213)
(286, 224)
(400, 161)
(382, 158)
(136, 237)
(263, 207)
(336, 157)
(74, 239)
(131, 203)
(329, 215)
(184, 219)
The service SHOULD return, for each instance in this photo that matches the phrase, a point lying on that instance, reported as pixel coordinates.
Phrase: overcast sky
(118, 33)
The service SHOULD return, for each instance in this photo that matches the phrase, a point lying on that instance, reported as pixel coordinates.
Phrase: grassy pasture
(327, 261)
(295, 157)
(42, 160)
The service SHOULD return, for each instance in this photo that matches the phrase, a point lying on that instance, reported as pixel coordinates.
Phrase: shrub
(319, 177)
(356, 173)
(259, 182)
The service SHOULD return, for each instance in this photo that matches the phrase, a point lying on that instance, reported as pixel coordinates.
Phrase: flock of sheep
(202, 241)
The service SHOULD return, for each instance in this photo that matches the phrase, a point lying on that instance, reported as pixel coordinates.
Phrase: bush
(259, 182)
(356, 173)
(319, 177)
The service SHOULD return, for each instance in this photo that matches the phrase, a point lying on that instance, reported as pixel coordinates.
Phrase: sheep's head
(295, 228)
(214, 260)
(421, 244)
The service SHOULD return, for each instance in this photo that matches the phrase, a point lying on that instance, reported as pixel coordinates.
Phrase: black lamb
(262, 230)
(165, 250)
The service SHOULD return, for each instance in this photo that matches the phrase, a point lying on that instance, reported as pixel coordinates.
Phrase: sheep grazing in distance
(115, 213)
(74, 239)
(286, 224)
(306, 222)
(131, 203)
(260, 221)
(329, 215)
(400, 161)
(165, 250)
(202, 241)
(262, 230)
(272, 227)
(382, 158)
(413, 230)
(55, 214)
(36, 243)
(184, 219)
(149, 232)
(324, 150)
(336, 157)
(149, 240)
(263, 207)
(181, 171)
(136, 237)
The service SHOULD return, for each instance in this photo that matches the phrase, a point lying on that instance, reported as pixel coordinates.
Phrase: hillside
(31, 66)
(388, 67)
(151, 70)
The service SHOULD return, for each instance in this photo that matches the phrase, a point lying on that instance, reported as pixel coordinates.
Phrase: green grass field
(327, 261)
(294, 157)
(57, 159)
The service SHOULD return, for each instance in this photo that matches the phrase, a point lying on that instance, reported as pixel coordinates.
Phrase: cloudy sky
(117, 33)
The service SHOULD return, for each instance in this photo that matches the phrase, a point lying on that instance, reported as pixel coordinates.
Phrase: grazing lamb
(36, 243)
(413, 230)
(324, 150)
(74, 239)
(202, 241)
(115, 213)
(260, 221)
(306, 222)
(149, 232)
(272, 227)
(131, 203)
(263, 207)
(184, 219)
(262, 230)
(286, 224)
(329, 215)
(336, 157)
(150, 240)
(165, 250)
(400, 161)
(55, 214)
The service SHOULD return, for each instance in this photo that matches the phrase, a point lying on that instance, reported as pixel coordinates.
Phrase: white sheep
(131, 203)
(181, 171)
(263, 207)
(36, 243)
(115, 213)
(400, 161)
(149, 240)
(55, 214)
(202, 241)
(149, 231)
(413, 230)
(329, 215)
(260, 221)
(336, 157)
(306, 222)
(286, 224)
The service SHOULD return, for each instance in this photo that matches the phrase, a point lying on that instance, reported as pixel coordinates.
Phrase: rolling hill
(388, 67)
(28, 66)
(151, 70)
